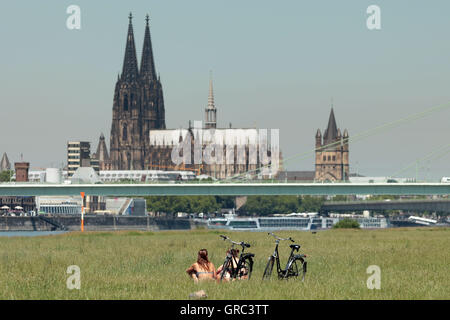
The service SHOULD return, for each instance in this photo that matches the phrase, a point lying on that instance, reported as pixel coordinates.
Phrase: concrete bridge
(232, 189)
(416, 205)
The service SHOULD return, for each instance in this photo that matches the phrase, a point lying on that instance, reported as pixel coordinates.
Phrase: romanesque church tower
(138, 106)
(332, 153)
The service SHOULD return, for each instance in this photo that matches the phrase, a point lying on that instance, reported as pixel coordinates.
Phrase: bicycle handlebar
(242, 243)
(278, 238)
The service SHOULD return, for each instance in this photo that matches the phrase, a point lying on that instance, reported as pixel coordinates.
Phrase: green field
(414, 264)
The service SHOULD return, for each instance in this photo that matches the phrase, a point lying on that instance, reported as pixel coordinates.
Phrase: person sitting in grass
(235, 259)
(203, 269)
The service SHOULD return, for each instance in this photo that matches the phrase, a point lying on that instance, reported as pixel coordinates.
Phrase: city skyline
(383, 82)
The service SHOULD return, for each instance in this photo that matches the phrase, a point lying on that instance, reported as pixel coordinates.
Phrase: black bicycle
(237, 269)
(292, 267)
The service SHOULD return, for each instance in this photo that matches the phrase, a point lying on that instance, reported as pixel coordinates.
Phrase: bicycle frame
(276, 256)
(239, 263)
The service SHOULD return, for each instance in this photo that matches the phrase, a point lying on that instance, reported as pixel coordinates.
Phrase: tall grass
(151, 265)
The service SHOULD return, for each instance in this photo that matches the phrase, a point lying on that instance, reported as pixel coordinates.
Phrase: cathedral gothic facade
(138, 106)
(332, 153)
(139, 139)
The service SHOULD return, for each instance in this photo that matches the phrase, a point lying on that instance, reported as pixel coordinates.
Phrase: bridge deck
(234, 189)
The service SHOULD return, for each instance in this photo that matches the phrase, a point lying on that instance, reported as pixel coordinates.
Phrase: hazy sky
(276, 64)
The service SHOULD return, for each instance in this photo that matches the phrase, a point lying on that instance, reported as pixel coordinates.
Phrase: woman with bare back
(203, 269)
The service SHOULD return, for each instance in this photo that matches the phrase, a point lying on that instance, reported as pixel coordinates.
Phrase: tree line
(255, 205)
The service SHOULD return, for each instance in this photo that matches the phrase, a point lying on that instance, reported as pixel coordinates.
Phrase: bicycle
(242, 269)
(291, 269)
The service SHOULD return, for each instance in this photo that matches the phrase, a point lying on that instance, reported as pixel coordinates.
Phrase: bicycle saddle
(295, 246)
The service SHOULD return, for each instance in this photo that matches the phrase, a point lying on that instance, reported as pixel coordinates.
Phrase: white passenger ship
(289, 223)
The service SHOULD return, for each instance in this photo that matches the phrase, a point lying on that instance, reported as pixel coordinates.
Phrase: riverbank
(94, 223)
(30, 233)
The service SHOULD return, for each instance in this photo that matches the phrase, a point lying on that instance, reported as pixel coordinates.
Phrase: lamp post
(82, 211)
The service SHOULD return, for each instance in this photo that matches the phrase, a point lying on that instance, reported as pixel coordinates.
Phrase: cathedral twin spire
(130, 70)
(138, 106)
(148, 71)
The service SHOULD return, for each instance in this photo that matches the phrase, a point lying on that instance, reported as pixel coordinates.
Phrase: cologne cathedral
(138, 106)
(139, 139)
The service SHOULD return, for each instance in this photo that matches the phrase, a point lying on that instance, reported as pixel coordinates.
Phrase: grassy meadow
(414, 264)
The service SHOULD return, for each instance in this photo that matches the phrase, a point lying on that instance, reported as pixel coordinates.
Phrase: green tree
(257, 205)
(177, 204)
(156, 204)
(5, 176)
(339, 197)
(188, 204)
(266, 205)
(225, 202)
(286, 204)
(205, 204)
(311, 203)
(346, 223)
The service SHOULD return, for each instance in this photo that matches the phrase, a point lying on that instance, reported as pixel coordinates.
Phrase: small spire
(210, 111)
(102, 151)
(345, 133)
(130, 17)
(147, 18)
(318, 134)
(331, 131)
(4, 163)
(211, 93)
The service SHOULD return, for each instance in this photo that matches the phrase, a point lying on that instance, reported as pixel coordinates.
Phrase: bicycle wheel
(226, 269)
(292, 269)
(245, 270)
(269, 268)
